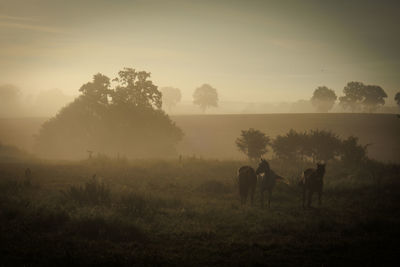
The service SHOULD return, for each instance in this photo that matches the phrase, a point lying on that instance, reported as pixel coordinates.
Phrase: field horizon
(214, 135)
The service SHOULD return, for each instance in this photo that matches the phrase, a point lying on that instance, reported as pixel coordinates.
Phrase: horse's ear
(261, 159)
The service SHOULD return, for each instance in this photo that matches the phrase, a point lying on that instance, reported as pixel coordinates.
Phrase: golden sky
(249, 50)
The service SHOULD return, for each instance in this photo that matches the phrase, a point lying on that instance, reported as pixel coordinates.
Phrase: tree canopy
(323, 99)
(397, 98)
(205, 96)
(121, 118)
(253, 143)
(358, 96)
(170, 97)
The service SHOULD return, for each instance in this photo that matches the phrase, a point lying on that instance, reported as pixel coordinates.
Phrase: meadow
(108, 211)
(213, 136)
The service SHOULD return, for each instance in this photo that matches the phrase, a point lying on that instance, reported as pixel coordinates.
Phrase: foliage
(397, 98)
(145, 223)
(170, 97)
(253, 143)
(205, 96)
(358, 96)
(318, 145)
(92, 193)
(352, 152)
(323, 99)
(125, 119)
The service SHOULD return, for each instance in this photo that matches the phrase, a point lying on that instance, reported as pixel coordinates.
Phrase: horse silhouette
(268, 181)
(312, 182)
(247, 180)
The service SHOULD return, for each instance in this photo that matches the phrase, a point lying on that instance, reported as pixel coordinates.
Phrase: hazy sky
(249, 50)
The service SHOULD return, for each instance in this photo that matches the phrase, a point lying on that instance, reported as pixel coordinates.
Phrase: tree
(291, 146)
(353, 95)
(170, 97)
(253, 143)
(397, 98)
(374, 96)
(359, 96)
(351, 152)
(10, 100)
(323, 99)
(205, 96)
(122, 119)
(323, 145)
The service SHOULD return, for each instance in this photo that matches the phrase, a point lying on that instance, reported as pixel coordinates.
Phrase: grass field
(213, 136)
(171, 213)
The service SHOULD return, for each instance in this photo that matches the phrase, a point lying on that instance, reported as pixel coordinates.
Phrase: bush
(92, 193)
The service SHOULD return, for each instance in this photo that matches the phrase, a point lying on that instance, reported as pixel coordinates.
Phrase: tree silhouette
(351, 152)
(170, 97)
(323, 99)
(291, 146)
(397, 98)
(205, 96)
(125, 118)
(373, 97)
(358, 96)
(353, 95)
(253, 143)
(9, 100)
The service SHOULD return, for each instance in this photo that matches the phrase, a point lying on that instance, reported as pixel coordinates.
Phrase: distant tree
(353, 95)
(358, 96)
(253, 143)
(205, 96)
(10, 97)
(125, 118)
(374, 96)
(170, 97)
(323, 99)
(397, 98)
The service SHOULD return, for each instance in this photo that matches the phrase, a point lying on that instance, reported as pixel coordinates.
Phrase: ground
(189, 213)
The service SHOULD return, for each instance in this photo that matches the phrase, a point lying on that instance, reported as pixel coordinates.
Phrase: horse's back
(247, 174)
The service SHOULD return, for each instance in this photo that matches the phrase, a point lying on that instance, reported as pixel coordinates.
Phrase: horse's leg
(262, 197)
(320, 197)
(269, 198)
(252, 195)
(304, 196)
(310, 193)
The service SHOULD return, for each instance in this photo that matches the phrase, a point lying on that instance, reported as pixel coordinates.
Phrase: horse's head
(263, 167)
(321, 167)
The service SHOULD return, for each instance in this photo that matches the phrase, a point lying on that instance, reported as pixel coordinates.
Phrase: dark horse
(312, 182)
(268, 181)
(247, 179)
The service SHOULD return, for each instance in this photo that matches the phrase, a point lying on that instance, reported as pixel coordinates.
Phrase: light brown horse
(312, 182)
(247, 180)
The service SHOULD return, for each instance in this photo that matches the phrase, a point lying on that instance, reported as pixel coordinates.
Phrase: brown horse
(247, 179)
(312, 182)
(268, 181)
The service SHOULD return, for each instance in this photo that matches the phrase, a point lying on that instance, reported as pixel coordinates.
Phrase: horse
(312, 182)
(247, 179)
(268, 181)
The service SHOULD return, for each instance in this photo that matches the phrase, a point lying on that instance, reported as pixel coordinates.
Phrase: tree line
(313, 145)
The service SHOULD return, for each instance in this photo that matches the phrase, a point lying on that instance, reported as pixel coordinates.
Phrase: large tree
(323, 99)
(205, 96)
(122, 119)
(358, 96)
(253, 143)
(170, 97)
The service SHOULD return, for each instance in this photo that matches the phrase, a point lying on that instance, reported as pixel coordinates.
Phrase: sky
(252, 51)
